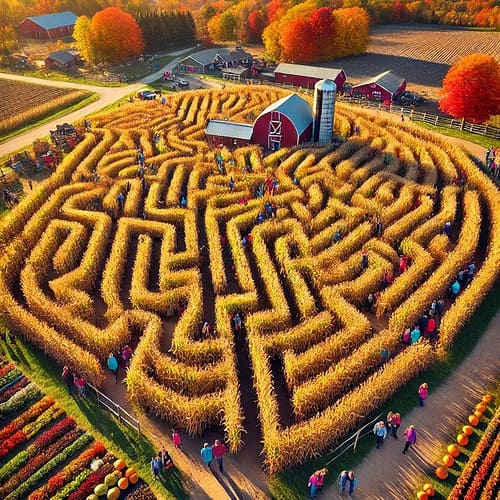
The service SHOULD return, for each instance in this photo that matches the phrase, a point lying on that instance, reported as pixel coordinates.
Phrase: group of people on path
(112, 362)
(217, 451)
(317, 480)
(74, 380)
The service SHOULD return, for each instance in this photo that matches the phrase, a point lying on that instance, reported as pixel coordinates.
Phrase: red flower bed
(39, 459)
(56, 431)
(71, 470)
(475, 460)
(11, 442)
(6, 369)
(13, 389)
(87, 487)
(27, 416)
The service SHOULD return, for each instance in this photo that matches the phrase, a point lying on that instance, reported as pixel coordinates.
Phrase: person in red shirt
(218, 451)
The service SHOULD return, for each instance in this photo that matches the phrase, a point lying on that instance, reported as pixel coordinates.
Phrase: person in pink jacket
(423, 392)
(313, 483)
(410, 438)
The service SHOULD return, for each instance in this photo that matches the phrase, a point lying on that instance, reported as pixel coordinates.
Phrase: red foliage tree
(256, 24)
(115, 35)
(323, 27)
(471, 88)
(299, 41)
(273, 9)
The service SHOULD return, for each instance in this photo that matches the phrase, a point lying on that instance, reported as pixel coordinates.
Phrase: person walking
(176, 438)
(313, 484)
(155, 466)
(321, 478)
(410, 438)
(67, 377)
(364, 260)
(237, 322)
(126, 354)
(380, 432)
(113, 365)
(218, 451)
(423, 392)
(206, 455)
(395, 424)
(348, 476)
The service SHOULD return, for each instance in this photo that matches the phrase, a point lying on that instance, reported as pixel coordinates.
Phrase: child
(423, 392)
(176, 438)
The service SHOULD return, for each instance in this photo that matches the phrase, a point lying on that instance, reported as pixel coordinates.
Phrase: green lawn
(292, 483)
(119, 438)
(486, 142)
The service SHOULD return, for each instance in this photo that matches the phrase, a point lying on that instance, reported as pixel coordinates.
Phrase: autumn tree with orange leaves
(471, 88)
(111, 36)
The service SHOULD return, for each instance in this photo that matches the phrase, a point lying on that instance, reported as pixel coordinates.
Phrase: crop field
(421, 54)
(24, 103)
(83, 273)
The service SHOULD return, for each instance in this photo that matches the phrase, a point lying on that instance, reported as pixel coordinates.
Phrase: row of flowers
(57, 458)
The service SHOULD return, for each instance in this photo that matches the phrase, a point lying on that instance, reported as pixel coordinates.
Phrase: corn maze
(82, 274)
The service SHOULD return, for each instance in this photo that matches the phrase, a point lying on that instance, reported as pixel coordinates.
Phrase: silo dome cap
(325, 85)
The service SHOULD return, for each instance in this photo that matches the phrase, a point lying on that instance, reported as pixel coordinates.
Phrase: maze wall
(81, 276)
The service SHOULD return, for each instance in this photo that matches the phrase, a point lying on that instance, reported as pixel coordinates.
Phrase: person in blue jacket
(207, 455)
(113, 365)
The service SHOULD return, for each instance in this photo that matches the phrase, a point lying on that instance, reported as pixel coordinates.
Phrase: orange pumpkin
(130, 471)
(442, 472)
(120, 464)
(462, 439)
(134, 478)
(467, 429)
(123, 483)
(473, 420)
(453, 450)
(481, 407)
(429, 489)
(422, 495)
(448, 460)
(487, 398)
(478, 414)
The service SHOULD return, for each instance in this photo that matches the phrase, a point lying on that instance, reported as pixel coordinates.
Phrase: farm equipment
(46, 156)
(65, 137)
(10, 185)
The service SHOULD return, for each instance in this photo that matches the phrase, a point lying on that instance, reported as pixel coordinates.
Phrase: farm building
(307, 76)
(287, 122)
(48, 26)
(209, 60)
(231, 134)
(384, 87)
(62, 59)
(239, 73)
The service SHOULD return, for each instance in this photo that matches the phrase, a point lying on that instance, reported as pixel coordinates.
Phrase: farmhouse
(231, 134)
(384, 87)
(48, 26)
(61, 59)
(207, 61)
(307, 76)
(239, 73)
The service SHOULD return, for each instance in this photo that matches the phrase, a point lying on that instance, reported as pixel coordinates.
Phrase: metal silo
(323, 111)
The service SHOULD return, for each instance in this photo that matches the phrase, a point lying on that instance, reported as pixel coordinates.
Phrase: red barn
(61, 59)
(48, 26)
(287, 122)
(307, 76)
(230, 134)
(383, 87)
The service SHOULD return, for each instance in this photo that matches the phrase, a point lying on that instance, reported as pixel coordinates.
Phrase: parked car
(146, 95)
(408, 98)
(181, 83)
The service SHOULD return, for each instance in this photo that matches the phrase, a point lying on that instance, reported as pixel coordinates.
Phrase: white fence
(115, 409)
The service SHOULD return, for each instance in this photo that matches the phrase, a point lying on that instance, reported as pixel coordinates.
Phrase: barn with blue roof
(48, 26)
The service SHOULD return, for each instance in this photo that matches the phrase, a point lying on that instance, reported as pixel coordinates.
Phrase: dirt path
(386, 474)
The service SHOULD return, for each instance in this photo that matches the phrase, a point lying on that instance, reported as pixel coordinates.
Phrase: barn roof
(240, 70)
(295, 108)
(387, 80)
(309, 71)
(206, 57)
(225, 128)
(58, 20)
(61, 56)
